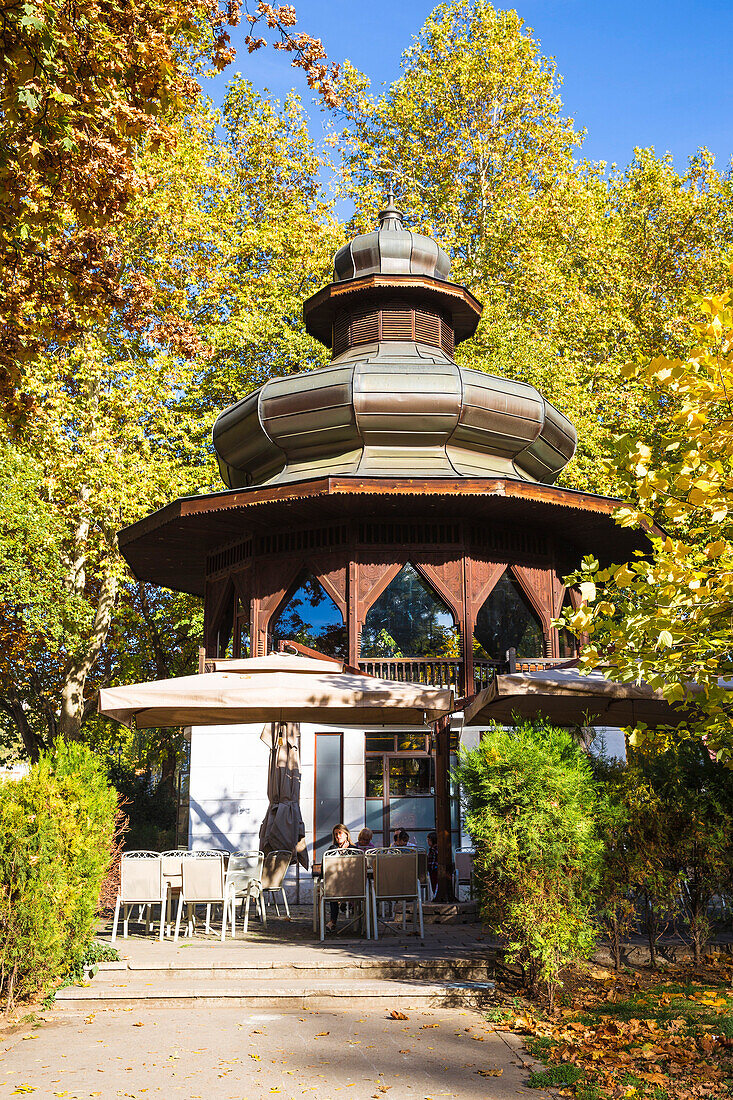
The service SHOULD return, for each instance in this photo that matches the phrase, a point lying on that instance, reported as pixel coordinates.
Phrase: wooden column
(352, 612)
(444, 891)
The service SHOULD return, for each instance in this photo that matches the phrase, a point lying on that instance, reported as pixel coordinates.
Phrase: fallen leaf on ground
(395, 1014)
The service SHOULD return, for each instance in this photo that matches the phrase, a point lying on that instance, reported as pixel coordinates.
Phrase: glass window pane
(411, 813)
(328, 750)
(379, 742)
(309, 616)
(411, 743)
(410, 776)
(507, 620)
(374, 779)
(374, 815)
(328, 789)
(409, 620)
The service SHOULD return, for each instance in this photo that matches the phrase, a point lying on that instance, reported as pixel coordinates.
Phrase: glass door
(400, 789)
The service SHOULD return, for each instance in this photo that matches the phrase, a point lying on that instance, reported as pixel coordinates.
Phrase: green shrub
(56, 831)
(530, 804)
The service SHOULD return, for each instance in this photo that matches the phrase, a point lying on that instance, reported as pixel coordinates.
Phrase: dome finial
(391, 217)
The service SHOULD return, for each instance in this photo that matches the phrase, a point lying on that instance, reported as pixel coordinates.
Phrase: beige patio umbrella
(567, 697)
(277, 688)
(282, 828)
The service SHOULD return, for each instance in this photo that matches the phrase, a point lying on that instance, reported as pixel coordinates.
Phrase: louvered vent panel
(364, 327)
(397, 324)
(340, 333)
(446, 338)
(427, 328)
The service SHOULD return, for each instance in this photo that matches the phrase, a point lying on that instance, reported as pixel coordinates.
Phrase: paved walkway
(236, 1054)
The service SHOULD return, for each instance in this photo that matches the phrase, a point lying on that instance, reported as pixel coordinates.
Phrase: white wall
(228, 787)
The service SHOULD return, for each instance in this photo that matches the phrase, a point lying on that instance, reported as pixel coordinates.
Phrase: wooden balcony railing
(434, 671)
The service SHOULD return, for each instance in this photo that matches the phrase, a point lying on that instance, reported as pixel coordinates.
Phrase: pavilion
(393, 509)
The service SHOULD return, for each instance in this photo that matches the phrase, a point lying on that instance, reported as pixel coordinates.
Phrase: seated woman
(364, 839)
(340, 838)
(401, 838)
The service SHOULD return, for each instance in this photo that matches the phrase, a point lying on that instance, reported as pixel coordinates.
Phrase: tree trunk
(78, 668)
(33, 744)
(168, 769)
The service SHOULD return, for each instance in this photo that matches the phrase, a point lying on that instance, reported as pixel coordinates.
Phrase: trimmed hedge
(56, 833)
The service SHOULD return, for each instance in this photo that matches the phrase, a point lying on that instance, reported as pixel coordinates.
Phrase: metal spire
(391, 217)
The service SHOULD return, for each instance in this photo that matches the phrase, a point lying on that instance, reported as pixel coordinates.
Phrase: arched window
(409, 620)
(309, 616)
(232, 635)
(508, 621)
(568, 643)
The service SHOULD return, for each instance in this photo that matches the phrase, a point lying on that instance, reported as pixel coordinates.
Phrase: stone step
(341, 970)
(291, 994)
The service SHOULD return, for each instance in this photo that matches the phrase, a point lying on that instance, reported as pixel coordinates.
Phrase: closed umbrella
(282, 828)
(277, 688)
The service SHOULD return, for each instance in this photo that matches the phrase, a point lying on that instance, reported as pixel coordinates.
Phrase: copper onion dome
(391, 250)
(392, 402)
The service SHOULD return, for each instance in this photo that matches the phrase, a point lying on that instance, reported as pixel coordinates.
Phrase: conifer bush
(56, 832)
(530, 803)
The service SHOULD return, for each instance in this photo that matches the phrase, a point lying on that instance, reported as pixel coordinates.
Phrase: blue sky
(657, 73)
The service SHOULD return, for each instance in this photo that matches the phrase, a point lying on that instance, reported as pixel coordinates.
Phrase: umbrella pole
(444, 892)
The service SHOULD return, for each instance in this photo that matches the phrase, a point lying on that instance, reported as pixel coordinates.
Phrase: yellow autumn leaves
(667, 618)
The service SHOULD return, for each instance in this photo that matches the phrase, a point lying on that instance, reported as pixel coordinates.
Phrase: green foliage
(530, 804)
(150, 807)
(664, 617)
(666, 822)
(695, 822)
(56, 832)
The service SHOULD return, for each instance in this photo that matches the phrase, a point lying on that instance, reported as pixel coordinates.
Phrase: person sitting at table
(364, 839)
(340, 838)
(433, 860)
(401, 838)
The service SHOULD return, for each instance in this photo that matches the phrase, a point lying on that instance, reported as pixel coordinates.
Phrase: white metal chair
(141, 883)
(344, 878)
(464, 869)
(212, 853)
(274, 869)
(203, 884)
(243, 883)
(396, 878)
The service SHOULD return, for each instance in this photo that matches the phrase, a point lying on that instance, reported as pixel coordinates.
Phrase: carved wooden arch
(275, 579)
(372, 579)
(287, 575)
(332, 580)
(483, 577)
(530, 581)
(427, 570)
(447, 579)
